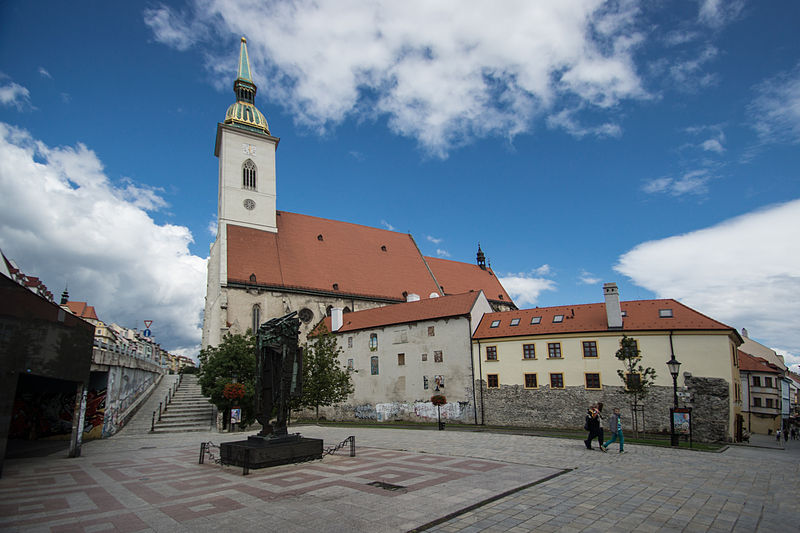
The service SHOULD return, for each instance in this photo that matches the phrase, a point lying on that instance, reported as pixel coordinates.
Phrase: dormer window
(558, 318)
(665, 313)
(249, 175)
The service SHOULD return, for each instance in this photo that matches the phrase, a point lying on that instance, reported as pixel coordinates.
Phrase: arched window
(249, 175)
(256, 318)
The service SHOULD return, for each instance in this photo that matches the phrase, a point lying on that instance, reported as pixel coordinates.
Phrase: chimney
(336, 319)
(613, 311)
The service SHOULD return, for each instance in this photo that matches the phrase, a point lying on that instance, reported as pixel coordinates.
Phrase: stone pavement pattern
(140, 482)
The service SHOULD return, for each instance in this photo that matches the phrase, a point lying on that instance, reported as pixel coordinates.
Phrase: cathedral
(265, 263)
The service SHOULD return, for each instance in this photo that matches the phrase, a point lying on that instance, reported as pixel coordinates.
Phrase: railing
(162, 406)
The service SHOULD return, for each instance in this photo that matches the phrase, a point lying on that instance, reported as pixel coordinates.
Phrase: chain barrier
(215, 456)
(206, 448)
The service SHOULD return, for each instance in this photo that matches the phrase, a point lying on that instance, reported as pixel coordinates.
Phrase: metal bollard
(202, 453)
(352, 446)
(159, 411)
(165, 404)
(153, 423)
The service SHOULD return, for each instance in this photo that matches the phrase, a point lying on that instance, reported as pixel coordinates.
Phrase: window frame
(552, 347)
(493, 350)
(561, 377)
(431, 331)
(586, 381)
(439, 354)
(594, 346)
(666, 313)
(496, 379)
(756, 381)
(494, 324)
(627, 378)
(374, 366)
(536, 320)
(535, 379)
(525, 350)
(373, 342)
(557, 319)
(249, 175)
(401, 359)
(514, 322)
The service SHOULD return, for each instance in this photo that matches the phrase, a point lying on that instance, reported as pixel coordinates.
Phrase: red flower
(233, 391)
(438, 399)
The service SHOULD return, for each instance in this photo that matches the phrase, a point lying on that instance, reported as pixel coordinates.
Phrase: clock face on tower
(249, 204)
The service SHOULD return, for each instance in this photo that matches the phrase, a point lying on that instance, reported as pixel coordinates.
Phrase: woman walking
(615, 426)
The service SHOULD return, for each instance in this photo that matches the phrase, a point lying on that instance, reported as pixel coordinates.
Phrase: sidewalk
(403, 480)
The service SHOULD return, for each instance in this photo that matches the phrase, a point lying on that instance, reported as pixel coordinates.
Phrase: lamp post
(674, 368)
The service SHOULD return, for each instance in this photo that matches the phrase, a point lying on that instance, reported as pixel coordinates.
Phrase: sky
(653, 144)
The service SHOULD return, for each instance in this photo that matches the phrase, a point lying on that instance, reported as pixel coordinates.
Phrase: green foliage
(189, 370)
(630, 356)
(325, 382)
(233, 359)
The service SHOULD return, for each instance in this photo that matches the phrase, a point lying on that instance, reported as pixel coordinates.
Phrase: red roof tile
(82, 310)
(750, 363)
(456, 277)
(404, 313)
(310, 253)
(642, 315)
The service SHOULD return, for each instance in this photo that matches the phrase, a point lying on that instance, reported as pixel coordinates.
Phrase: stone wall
(513, 405)
(419, 412)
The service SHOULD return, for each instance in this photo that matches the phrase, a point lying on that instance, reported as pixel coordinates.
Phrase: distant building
(544, 366)
(265, 263)
(761, 394)
(401, 355)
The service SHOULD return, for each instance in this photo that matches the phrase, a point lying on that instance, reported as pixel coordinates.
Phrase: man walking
(615, 426)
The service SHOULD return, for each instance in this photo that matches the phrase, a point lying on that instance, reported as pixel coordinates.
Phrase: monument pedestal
(263, 452)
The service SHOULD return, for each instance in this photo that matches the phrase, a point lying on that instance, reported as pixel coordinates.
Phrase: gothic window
(256, 317)
(373, 342)
(373, 365)
(249, 175)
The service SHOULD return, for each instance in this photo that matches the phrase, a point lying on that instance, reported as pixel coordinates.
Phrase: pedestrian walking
(794, 434)
(785, 435)
(594, 424)
(778, 435)
(615, 427)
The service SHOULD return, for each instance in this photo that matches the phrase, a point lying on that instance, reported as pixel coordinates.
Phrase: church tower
(246, 153)
(247, 191)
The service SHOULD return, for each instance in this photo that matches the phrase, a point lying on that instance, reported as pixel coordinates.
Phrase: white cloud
(169, 28)
(588, 278)
(693, 182)
(43, 72)
(444, 73)
(14, 94)
(63, 220)
(775, 112)
(387, 225)
(565, 119)
(717, 13)
(525, 289)
(442, 253)
(213, 226)
(744, 272)
(688, 74)
(712, 145)
(434, 240)
(543, 270)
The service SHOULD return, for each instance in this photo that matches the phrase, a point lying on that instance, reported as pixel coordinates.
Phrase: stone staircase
(188, 410)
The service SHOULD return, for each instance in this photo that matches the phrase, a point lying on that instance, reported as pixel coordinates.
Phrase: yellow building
(542, 367)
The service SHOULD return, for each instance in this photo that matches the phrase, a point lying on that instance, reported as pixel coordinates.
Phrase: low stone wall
(513, 405)
(394, 412)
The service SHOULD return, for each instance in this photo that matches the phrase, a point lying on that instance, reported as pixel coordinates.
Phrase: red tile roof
(749, 363)
(404, 313)
(317, 254)
(456, 277)
(642, 315)
(82, 310)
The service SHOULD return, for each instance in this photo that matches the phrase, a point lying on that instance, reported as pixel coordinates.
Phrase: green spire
(244, 63)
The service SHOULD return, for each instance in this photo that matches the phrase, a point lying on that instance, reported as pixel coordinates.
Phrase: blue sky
(654, 144)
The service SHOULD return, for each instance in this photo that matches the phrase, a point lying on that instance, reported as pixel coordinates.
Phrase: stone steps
(188, 410)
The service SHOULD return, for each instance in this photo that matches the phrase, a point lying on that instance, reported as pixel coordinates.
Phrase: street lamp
(674, 368)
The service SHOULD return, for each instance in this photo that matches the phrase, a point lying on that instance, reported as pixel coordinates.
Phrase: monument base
(263, 452)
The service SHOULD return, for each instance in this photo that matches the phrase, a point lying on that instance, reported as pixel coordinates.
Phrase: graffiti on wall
(125, 386)
(365, 412)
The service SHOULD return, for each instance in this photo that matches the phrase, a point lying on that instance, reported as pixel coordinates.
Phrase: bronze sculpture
(279, 373)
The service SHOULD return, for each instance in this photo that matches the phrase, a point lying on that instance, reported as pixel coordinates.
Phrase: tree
(637, 379)
(232, 361)
(325, 382)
